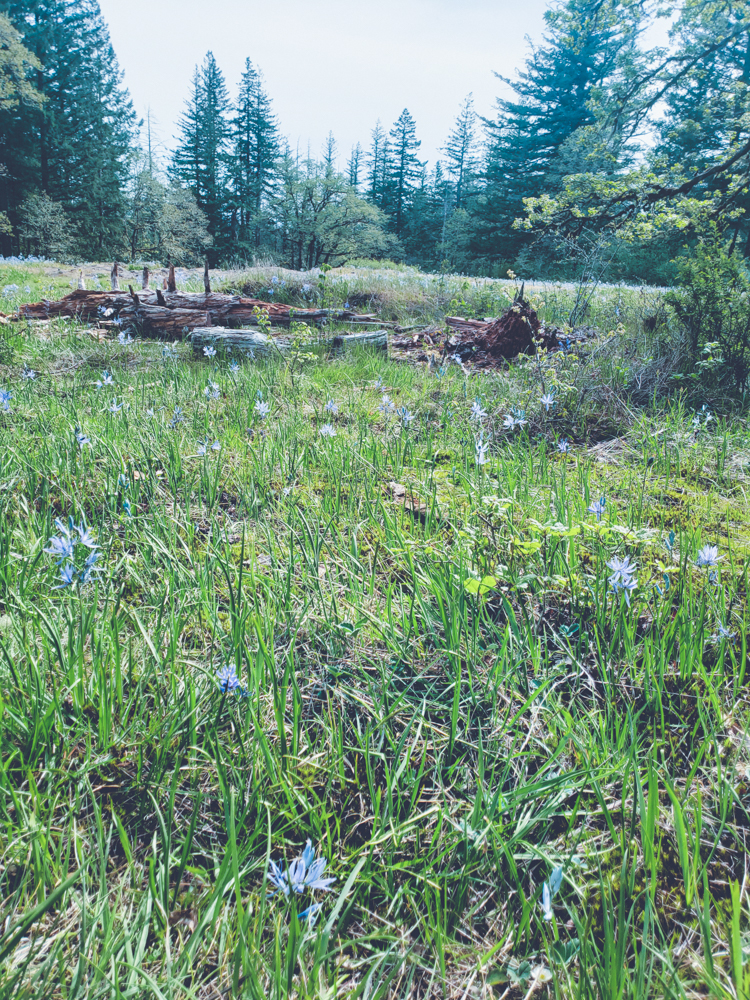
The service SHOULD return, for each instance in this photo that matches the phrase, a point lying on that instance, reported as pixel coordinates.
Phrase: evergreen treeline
(590, 115)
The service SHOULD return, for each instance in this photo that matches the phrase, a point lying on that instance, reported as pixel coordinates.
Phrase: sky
(329, 65)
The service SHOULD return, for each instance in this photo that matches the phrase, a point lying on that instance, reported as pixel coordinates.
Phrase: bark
(260, 344)
(155, 313)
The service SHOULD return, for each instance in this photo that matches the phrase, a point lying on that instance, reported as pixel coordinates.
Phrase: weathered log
(260, 344)
(253, 342)
(171, 281)
(145, 279)
(370, 338)
(114, 277)
(206, 279)
(81, 282)
(195, 309)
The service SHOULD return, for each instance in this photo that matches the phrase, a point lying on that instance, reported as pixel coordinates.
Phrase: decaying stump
(517, 331)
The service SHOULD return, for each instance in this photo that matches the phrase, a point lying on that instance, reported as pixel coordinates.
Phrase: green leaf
(480, 587)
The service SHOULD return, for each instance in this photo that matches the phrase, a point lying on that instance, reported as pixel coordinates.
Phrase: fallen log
(158, 313)
(261, 345)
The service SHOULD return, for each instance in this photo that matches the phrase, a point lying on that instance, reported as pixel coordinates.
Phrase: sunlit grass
(438, 684)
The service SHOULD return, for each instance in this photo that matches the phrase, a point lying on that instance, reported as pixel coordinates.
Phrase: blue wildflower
(228, 679)
(597, 507)
(67, 575)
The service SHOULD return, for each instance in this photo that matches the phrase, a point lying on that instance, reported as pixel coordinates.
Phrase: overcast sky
(328, 64)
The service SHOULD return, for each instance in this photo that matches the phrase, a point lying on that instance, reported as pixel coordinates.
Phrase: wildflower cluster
(205, 445)
(516, 418)
(75, 551)
(623, 577)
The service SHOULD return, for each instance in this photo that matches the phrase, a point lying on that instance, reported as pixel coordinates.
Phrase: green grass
(440, 689)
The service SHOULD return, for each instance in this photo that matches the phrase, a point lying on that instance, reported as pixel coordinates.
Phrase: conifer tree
(378, 165)
(74, 147)
(201, 158)
(354, 166)
(555, 99)
(460, 149)
(255, 134)
(405, 169)
(330, 154)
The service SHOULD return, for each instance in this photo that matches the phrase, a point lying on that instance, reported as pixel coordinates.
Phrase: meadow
(472, 646)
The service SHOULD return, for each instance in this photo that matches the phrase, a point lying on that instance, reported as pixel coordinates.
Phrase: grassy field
(488, 657)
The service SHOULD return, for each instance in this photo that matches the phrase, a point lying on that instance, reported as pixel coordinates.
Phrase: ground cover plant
(335, 677)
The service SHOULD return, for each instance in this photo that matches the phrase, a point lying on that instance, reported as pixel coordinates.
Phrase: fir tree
(531, 144)
(74, 147)
(353, 167)
(405, 168)
(201, 158)
(330, 153)
(460, 149)
(256, 148)
(378, 165)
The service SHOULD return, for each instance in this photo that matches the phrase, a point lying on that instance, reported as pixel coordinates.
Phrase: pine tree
(256, 148)
(74, 148)
(201, 159)
(405, 169)
(460, 149)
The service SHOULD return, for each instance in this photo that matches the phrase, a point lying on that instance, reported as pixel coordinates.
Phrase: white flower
(331, 407)
(477, 413)
(327, 430)
(209, 351)
(480, 451)
(262, 409)
(547, 401)
(563, 446)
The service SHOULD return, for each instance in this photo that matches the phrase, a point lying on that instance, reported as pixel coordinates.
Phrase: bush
(712, 305)
(45, 225)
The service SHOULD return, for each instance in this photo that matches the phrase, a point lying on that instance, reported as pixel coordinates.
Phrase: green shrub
(712, 304)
